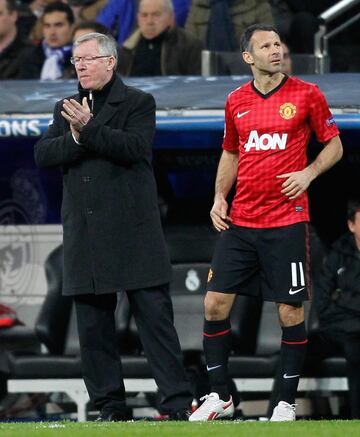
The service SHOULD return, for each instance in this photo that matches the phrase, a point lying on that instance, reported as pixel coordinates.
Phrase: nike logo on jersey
(296, 290)
(286, 376)
(239, 115)
(213, 368)
(265, 141)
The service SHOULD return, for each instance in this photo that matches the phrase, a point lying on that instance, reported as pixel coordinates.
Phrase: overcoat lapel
(117, 94)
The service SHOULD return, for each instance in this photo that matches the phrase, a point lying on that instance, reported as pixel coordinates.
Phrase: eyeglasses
(87, 60)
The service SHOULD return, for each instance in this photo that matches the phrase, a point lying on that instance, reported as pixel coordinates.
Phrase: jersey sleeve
(321, 120)
(231, 137)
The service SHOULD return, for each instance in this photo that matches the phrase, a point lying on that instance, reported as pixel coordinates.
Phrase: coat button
(89, 211)
(86, 178)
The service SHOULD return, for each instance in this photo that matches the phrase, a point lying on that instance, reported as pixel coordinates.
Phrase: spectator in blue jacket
(159, 47)
(120, 16)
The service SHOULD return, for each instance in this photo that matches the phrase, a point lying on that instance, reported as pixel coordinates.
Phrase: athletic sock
(292, 355)
(217, 343)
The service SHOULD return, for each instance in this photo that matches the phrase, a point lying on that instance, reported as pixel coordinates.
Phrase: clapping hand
(76, 114)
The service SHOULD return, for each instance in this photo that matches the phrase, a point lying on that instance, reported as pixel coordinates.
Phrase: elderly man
(113, 240)
(158, 47)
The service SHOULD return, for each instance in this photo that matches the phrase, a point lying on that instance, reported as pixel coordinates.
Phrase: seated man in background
(158, 47)
(219, 24)
(84, 27)
(120, 16)
(11, 43)
(29, 20)
(50, 60)
(337, 303)
(286, 60)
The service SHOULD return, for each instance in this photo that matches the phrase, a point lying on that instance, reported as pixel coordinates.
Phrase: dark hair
(11, 5)
(353, 206)
(249, 32)
(60, 7)
(94, 26)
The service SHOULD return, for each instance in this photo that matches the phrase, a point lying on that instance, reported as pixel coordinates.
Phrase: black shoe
(112, 416)
(180, 415)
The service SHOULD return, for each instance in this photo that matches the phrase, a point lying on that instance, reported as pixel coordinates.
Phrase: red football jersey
(271, 133)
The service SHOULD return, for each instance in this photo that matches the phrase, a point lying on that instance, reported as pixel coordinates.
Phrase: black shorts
(272, 263)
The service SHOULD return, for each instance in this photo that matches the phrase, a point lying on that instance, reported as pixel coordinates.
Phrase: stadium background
(187, 146)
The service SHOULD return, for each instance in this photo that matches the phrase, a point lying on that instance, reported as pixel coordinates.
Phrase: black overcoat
(112, 232)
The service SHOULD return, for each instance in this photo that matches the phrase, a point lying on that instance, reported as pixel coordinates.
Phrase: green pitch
(174, 429)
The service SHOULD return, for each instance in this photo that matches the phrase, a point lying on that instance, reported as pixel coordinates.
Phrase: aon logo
(265, 141)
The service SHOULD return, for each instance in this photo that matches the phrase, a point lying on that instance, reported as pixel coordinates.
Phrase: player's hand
(78, 115)
(295, 183)
(219, 215)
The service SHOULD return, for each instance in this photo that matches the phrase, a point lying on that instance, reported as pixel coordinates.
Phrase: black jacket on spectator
(11, 59)
(113, 239)
(180, 54)
(337, 295)
(32, 62)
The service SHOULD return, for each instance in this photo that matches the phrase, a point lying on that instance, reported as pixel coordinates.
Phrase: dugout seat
(254, 369)
(51, 329)
(19, 339)
(58, 367)
(191, 248)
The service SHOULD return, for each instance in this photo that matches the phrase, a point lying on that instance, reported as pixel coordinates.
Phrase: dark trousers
(102, 370)
(331, 344)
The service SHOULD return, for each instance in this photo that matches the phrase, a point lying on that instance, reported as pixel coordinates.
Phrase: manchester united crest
(287, 111)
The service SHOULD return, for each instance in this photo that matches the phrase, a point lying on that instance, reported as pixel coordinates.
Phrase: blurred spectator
(286, 59)
(337, 301)
(87, 27)
(159, 47)
(51, 58)
(29, 22)
(120, 16)
(297, 23)
(11, 44)
(219, 24)
(86, 10)
(28, 13)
